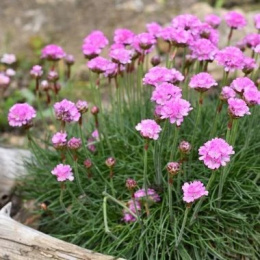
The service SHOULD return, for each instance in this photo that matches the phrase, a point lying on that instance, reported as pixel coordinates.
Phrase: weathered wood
(19, 242)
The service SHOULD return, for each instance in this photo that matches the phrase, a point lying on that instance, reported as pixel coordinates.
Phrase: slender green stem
(145, 165)
(112, 186)
(77, 177)
(83, 138)
(61, 198)
(170, 197)
(183, 226)
(175, 139)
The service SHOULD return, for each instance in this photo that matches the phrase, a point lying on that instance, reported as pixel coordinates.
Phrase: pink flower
(63, 172)
(257, 21)
(227, 93)
(66, 111)
(82, 106)
(10, 72)
(193, 191)
(213, 20)
(95, 134)
(231, 58)
(257, 49)
(8, 59)
(151, 194)
(157, 75)
(69, 59)
(98, 64)
(252, 40)
(175, 110)
(203, 49)
(4, 80)
(121, 56)
(252, 96)
(235, 20)
(249, 65)
(135, 207)
(154, 28)
(185, 21)
(184, 147)
(91, 144)
(123, 36)
(97, 39)
(205, 31)
(241, 83)
(112, 69)
(164, 92)
(59, 140)
(52, 52)
(145, 40)
(237, 107)
(173, 167)
(74, 143)
(21, 114)
(215, 153)
(36, 71)
(149, 129)
(202, 82)
(90, 51)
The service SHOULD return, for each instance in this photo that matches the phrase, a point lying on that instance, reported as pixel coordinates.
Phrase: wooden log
(19, 242)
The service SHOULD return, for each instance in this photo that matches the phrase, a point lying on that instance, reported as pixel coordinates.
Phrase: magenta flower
(154, 28)
(165, 92)
(227, 93)
(231, 58)
(202, 82)
(59, 140)
(193, 191)
(63, 172)
(91, 144)
(215, 153)
(251, 96)
(203, 49)
(8, 59)
(213, 20)
(257, 21)
(97, 39)
(149, 129)
(123, 36)
(36, 71)
(135, 207)
(66, 111)
(52, 52)
(175, 110)
(69, 59)
(82, 106)
(241, 83)
(237, 107)
(74, 143)
(145, 40)
(21, 115)
(121, 56)
(252, 40)
(249, 65)
(98, 64)
(90, 51)
(151, 194)
(205, 31)
(95, 134)
(257, 49)
(186, 21)
(112, 69)
(4, 80)
(235, 20)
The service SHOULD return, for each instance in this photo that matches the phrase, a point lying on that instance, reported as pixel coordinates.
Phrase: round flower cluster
(235, 20)
(135, 207)
(237, 108)
(36, 71)
(59, 140)
(52, 52)
(98, 64)
(193, 191)
(149, 129)
(203, 49)
(213, 20)
(63, 172)
(123, 36)
(151, 195)
(8, 59)
(202, 82)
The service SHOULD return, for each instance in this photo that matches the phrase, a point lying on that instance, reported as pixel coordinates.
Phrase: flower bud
(173, 167)
(88, 163)
(74, 143)
(110, 162)
(156, 60)
(130, 184)
(44, 85)
(36, 71)
(94, 110)
(184, 147)
(82, 106)
(53, 76)
(69, 59)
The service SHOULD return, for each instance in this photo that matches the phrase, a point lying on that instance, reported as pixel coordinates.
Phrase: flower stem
(146, 145)
(183, 226)
(170, 179)
(77, 177)
(176, 134)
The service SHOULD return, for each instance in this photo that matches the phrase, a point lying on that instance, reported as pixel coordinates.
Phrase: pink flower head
(21, 114)
(59, 140)
(151, 194)
(227, 93)
(154, 28)
(184, 147)
(63, 172)
(145, 40)
(82, 106)
(164, 92)
(66, 111)
(69, 59)
(36, 71)
(213, 20)
(123, 36)
(175, 110)
(205, 31)
(74, 143)
(252, 96)
(241, 83)
(52, 52)
(98, 64)
(257, 21)
(95, 134)
(235, 20)
(202, 82)
(149, 129)
(112, 69)
(157, 75)
(173, 167)
(252, 40)
(121, 56)
(4, 80)
(130, 184)
(249, 65)
(203, 49)
(185, 21)
(193, 191)
(10, 72)
(90, 51)
(97, 39)
(241, 45)
(8, 59)
(135, 207)
(91, 144)
(257, 49)
(215, 153)
(237, 107)
(231, 58)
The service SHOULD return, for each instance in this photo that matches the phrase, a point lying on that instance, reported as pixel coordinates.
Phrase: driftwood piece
(19, 242)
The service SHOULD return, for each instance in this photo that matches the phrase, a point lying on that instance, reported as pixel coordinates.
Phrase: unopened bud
(69, 59)
(110, 162)
(155, 61)
(94, 110)
(185, 147)
(53, 76)
(173, 168)
(130, 184)
(88, 163)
